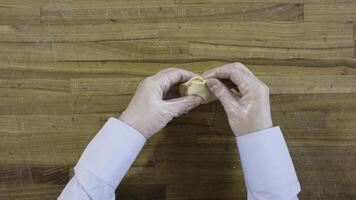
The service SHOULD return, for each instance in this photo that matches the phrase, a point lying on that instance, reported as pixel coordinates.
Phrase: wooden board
(17, 15)
(340, 12)
(111, 13)
(67, 66)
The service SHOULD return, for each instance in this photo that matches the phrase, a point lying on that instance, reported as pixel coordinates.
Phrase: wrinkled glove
(148, 112)
(248, 110)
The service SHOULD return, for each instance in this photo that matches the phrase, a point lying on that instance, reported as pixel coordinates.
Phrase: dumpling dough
(197, 86)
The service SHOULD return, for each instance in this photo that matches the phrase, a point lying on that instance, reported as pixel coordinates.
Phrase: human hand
(248, 111)
(148, 112)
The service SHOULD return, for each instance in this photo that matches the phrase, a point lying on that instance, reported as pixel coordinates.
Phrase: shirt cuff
(112, 151)
(266, 162)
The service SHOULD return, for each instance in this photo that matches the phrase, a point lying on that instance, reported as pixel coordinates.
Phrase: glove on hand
(148, 112)
(247, 111)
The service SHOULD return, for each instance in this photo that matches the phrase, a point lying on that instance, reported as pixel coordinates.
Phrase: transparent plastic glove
(249, 109)
(148, 112)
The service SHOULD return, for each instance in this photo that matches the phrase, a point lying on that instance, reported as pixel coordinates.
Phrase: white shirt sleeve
(104, 162)
(267, 166)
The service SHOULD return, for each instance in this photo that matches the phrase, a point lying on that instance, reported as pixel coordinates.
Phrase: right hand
(249, 110)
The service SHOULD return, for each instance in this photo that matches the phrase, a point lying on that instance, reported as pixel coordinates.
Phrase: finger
(238, 65)
(166, 70)
(239, 77)
(245, 69)
(226, 71)
(242, 67)
(222, 93)
(181, 105)
(171, 76)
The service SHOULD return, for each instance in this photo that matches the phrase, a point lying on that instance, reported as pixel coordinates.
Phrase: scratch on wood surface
(22, 124)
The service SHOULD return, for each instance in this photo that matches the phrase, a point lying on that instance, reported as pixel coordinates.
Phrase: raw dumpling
(197, 86)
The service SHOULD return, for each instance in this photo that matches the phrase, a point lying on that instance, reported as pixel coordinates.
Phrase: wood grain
(77, 33)
(16, 15)
(117, 50)
(331, 12)
(268, 40)
(30, 191)
(67, 66)
(107, 13)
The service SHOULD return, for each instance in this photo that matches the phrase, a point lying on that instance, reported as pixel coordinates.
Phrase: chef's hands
(249, 110)
(148, 112)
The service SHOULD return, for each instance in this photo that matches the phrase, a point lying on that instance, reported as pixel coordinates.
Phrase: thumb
(221, 92)
(181, 105)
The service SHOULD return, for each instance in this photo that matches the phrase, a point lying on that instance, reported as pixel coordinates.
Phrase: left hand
(148, 112)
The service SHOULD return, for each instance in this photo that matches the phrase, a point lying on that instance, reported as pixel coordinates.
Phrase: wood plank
(330, 12)
(108, 13)
(121, 86)
(128, 3)
(344, 1)
(19, 3)
(318, 165)
(19, 88)
(118, 69)
(306, 102)
(92, 69)
(310, 84)
(37, 84)
(77, 33)
(117, 50)
(68, 70)
(21, 175)
(30, 191)
(15, 15)
(263, 40)
(239, 1)
(181, 173)
(39, 102)
(141, 191)
(320, 136)
(255, 31)
(343, 119)
(325, 62)
(209, 191)
(325, 191)
(321, 1)
(46, 136)
(25, 51)
(100, 104)
(17, 124)
(213, 51)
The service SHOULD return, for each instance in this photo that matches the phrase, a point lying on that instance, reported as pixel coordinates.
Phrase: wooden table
(66, 66)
